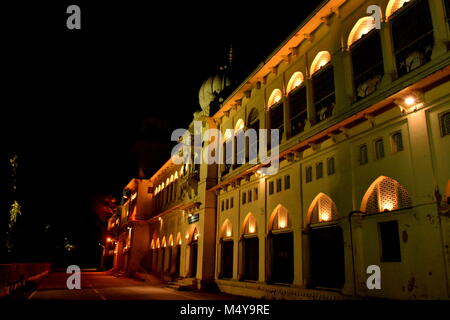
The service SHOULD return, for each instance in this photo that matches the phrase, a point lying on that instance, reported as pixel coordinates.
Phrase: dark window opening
(271, 187)
(287, 182)
(330, 166)
(390, 241)
(323, 87)
(227, 259)
(445, 124)
(379, 149)
(367, 62)
(251, 258)
(279, 185)
(276, 115)
(319, 170)
(283, 258)
(397, 142)
(244, 197)
(308, 174)
(249, 196)
(363, 155)
(298, 110)
(252, 145)
(412, 32)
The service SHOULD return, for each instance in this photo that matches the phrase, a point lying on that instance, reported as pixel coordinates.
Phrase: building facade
(363, 184)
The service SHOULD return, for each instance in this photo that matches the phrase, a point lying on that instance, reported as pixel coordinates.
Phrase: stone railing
(16, 275)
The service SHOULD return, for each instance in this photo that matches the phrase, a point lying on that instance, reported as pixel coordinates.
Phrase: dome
(213, 86)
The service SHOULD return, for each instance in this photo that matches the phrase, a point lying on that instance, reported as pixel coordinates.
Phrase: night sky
(74, 102)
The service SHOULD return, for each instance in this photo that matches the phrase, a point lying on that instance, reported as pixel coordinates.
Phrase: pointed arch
(195, 235)
(361, 28)
(152, 244)
(385, 194)
(158, 245)
(170, 242)
(321, 60)
(164, 242)
(296, 81)
(279, 219)
(240, 124)
(179, 241)
(226, 231)
(275, 97)
(394, 5)
(249, 226)
(322, 209)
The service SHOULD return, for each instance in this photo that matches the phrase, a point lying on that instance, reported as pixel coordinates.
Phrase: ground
(107, 286)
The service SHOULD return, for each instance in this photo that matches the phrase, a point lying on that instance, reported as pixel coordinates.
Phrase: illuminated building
(364, 177)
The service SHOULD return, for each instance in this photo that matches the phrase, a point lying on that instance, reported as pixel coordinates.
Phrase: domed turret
(216, 86)
(212, 87)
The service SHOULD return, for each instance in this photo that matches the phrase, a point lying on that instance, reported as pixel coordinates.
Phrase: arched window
(385, 194)
(164, 243)
(227, 151)
(276, 113)
(295, 81)
(367, 58)
(323, 85)
(226, 250)
(322, 209)
(171, 243)
(157, 243)
(252, 139)
(250, 245)
(279, 219)
(179, 240)
(282, 246)
(297, 103)
(395, 5)
(412, 33)
(239, 142)
(152, 244)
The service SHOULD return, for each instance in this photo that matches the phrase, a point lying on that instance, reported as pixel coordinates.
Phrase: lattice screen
(387, 195)
(324, 210)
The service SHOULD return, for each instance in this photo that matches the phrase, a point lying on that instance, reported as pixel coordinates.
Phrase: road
(107, 286)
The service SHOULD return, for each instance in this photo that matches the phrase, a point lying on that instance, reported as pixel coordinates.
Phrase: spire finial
(230, 55)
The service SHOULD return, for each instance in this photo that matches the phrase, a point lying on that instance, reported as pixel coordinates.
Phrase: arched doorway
(250, 249)
(227, 248)
(194, 254)
(326, 245)
(281, 241)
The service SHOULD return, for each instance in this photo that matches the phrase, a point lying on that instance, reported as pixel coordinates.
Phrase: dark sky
(73, 101)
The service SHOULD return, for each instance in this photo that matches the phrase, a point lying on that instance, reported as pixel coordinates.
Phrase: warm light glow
(196, 235)
(171, 243)
(239, 125)
(108, 239)
(186, 236)
(388, 207)
(275, 97)
(321, 60)
(228, 233)
(228, 134)
(159, 218)
(394, 5)
(410, 101)
(251, 224)
(133, 196)
(324, 216)
(179, 242)
(362, 27)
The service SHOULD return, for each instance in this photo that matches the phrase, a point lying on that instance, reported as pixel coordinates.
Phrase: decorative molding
(309, 37)
(371, 119)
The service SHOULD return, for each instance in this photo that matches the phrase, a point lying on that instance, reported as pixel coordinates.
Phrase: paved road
(106, 286)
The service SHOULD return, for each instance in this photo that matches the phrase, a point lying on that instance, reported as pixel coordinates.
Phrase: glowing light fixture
(108, 239)
(411, 102)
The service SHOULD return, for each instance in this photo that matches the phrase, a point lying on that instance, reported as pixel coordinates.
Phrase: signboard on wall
(193, 218)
